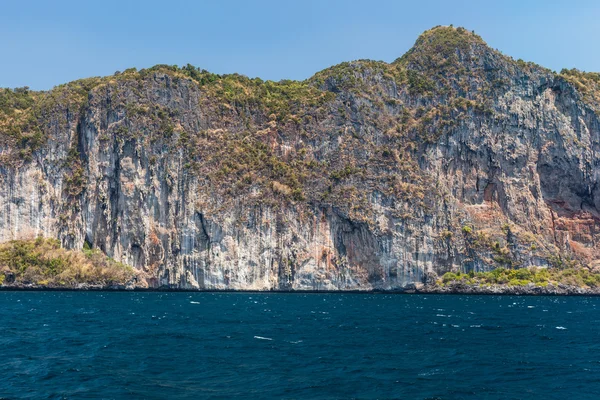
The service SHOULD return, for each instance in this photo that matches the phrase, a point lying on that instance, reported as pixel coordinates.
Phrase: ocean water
(84, 345)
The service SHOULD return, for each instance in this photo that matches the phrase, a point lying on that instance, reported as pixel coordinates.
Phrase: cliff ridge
(368, 175)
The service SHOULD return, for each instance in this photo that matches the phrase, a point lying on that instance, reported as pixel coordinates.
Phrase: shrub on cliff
(580, 277)
(44, 262)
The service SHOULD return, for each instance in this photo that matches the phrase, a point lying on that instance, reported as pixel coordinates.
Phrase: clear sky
(44, 43)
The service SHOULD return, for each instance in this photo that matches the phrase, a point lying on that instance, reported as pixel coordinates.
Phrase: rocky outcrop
(367, 176)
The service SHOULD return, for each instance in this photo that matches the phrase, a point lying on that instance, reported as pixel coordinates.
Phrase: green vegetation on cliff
(18, 126)
(579, 277)
(43, 262)
(587, 83)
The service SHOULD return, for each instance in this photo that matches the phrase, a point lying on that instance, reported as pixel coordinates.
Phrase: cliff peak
(445, 42)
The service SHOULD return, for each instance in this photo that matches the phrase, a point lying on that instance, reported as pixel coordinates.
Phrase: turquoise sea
(103, 345)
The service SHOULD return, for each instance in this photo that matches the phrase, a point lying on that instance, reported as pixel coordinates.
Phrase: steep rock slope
(368, 175)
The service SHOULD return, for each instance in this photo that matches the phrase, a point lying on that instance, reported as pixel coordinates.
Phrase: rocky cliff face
(368, 175)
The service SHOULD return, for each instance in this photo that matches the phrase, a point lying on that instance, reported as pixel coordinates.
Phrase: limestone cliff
(368, 175)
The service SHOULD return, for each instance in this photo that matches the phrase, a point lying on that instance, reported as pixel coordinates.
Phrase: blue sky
(45, 43)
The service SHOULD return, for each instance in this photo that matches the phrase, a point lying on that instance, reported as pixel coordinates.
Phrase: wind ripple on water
(223, 345)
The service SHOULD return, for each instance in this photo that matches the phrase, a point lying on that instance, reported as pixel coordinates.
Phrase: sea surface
(101, 345)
